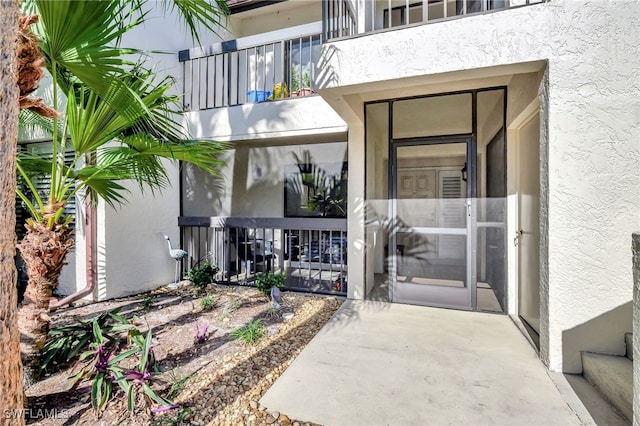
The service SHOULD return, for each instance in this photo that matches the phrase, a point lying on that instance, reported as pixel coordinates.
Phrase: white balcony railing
(344, 18)
(248, 69)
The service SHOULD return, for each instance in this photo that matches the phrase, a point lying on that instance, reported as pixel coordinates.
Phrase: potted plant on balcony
(300, 86)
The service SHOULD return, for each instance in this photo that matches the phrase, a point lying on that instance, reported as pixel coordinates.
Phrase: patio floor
(377, 363)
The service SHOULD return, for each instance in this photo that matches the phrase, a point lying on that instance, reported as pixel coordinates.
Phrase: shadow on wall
(325, 73)
(602, 334)
(206, 195)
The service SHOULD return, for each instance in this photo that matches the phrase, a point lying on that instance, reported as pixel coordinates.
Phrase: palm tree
(119, 124)
(11, 389)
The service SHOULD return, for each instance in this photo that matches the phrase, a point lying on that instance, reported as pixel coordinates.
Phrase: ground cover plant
(157, 368)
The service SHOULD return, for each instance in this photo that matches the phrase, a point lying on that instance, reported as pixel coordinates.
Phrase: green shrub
(264, 282)
(250, 333)
(202, 276)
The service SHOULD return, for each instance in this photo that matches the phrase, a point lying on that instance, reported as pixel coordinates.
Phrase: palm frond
(31, 122)
(103, 182)
(80, 38)
(201, 153)
(212, 15)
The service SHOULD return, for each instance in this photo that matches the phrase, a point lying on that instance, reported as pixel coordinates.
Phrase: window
(316, 190)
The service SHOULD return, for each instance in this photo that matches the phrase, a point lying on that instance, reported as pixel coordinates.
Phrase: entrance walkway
(379, 363)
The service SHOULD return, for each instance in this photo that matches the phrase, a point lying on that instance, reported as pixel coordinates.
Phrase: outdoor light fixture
(464, 172)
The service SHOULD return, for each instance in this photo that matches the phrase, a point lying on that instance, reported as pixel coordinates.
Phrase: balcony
(311, 252)
(346, 18)
(247, 70)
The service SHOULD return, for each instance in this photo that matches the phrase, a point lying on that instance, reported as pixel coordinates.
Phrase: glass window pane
(432, 116)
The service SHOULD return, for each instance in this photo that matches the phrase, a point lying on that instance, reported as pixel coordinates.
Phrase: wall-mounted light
(464, 172)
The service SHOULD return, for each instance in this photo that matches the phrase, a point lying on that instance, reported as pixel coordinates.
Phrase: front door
(434, 237)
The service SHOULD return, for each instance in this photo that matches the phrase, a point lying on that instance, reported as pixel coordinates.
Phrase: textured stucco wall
(589, 173)
(636, 327)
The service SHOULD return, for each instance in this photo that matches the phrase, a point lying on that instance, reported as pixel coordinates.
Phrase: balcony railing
(311, 252)
(249, 69)
(344, 18)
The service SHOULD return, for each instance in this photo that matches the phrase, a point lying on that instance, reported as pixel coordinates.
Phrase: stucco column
(636, 327)
(355, 218)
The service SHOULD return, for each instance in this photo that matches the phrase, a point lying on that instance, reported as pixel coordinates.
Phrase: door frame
(471, 229)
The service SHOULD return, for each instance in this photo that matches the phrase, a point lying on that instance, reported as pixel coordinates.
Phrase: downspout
(90, 248)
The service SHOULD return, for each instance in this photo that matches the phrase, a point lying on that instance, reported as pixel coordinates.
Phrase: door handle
(516, 239)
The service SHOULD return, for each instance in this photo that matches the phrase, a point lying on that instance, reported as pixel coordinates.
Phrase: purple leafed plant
(102, 363)
(164, 408)
(138, 377)
(201, 334)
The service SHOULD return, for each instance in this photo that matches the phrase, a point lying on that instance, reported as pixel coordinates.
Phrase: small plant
(148, 302)
(272, 312)
(201, 333)
(66, 343)
(202, 276)
(178, 382)
(180, 418)
(207, 302)
(264, 282)
(250, 333)
(137, 381)
(298, 82)
(230, 307)
(102, 367)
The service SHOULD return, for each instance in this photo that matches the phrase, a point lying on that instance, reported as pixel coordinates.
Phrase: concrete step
(591, 408)
(628, 340)
(612, 376)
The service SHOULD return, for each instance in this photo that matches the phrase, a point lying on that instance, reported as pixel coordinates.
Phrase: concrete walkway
(378, 363)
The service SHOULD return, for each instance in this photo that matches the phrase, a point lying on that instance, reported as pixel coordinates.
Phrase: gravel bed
(227, 391)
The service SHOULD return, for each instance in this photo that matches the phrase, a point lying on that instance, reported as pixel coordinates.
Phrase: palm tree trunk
(11, 389)
(44, 251)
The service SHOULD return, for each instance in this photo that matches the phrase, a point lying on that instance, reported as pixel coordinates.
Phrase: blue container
(258, 95)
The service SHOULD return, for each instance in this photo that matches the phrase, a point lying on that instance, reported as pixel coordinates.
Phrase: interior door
(434, 263)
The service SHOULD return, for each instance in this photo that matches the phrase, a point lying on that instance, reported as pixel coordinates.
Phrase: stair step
(612, 376)
(598, 408)
(628, 340)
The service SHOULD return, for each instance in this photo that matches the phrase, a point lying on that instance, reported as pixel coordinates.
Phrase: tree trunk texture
(43, 251)
(11, 388)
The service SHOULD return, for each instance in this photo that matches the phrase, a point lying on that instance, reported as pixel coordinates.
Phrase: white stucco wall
(276, 16)
(132, 254)
(593, 132)
(254, 180)
(309, 115)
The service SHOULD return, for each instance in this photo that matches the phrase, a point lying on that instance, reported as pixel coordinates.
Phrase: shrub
(203, 275)
(265, 281)
(250, 333)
